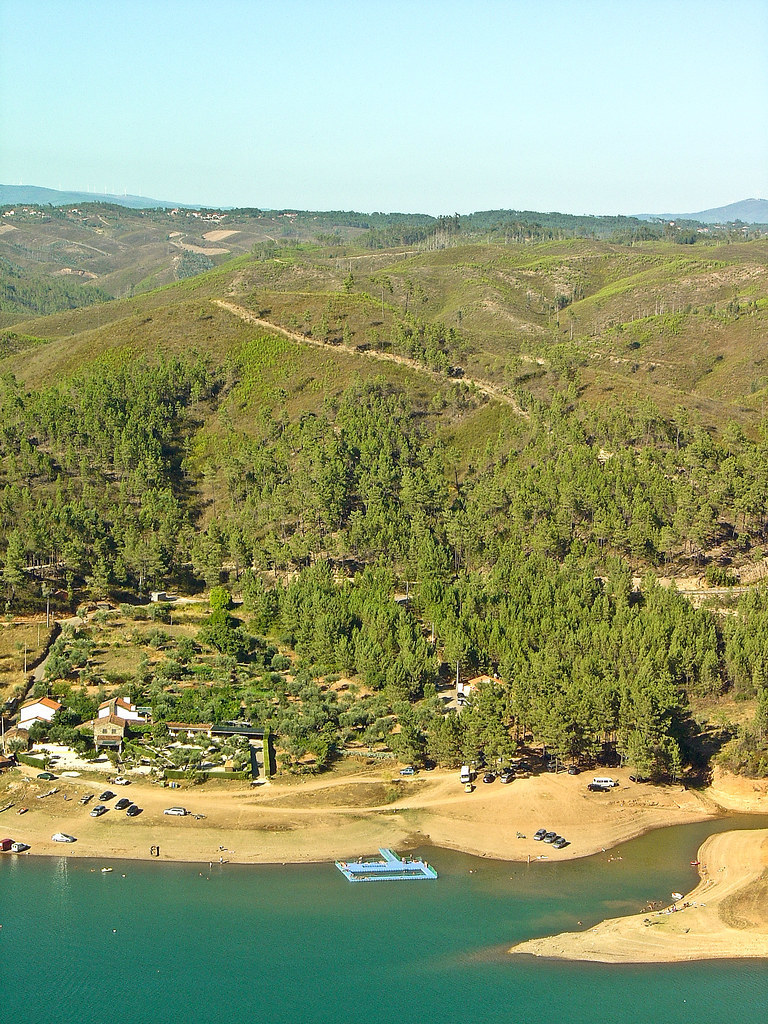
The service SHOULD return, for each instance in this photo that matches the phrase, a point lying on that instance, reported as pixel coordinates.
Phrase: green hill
(509, 432)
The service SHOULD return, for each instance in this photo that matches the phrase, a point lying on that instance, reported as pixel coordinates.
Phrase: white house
(40, 709)
(120, 708)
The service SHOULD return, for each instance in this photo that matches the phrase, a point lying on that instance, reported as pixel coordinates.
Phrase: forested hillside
(550, 421)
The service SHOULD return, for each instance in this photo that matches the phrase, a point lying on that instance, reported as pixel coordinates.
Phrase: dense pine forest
(505, 497)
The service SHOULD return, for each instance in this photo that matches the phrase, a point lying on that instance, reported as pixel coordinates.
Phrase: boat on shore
(390, 869)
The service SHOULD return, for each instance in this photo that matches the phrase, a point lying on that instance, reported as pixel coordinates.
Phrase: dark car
(507, 775)
(573, 770)
(550, 837)
(489, 777)
(98, 810)
(122, 804)
(133, 810)
(559, 843)
(46, 776)
(106, 795)
(538, 836)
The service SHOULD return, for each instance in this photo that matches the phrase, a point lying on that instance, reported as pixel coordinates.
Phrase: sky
(628, 106)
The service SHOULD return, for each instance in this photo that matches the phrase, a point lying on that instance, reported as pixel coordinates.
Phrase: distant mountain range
(749, 211)
(33, 195)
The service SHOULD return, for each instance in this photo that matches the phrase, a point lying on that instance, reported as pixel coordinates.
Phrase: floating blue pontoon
(391, 869)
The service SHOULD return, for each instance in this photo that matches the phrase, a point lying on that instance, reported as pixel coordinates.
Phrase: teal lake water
(301, 944)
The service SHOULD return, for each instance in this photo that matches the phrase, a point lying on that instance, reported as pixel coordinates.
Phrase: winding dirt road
(491, 391)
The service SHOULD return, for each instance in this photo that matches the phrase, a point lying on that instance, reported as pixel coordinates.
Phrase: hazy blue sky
(583, 106)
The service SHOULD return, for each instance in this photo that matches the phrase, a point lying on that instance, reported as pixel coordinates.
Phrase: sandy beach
(725, 916)
(356, 810)
(346, 814)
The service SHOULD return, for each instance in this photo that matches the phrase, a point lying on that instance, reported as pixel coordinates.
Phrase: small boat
(105, 871)
(22, 810)
(677, 895)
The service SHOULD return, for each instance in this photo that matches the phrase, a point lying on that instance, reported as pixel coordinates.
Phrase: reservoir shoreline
(355, 814)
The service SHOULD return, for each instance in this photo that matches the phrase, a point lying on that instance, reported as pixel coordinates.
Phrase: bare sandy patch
(7, 227)
(219, 235)
(340, 816)
(76, 272)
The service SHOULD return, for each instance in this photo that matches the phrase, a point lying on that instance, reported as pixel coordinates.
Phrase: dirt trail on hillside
(485, 387)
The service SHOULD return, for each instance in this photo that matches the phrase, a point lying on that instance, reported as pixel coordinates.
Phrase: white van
(603, 782)
(466, 773)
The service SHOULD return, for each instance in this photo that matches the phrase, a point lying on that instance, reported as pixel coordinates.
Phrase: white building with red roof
(120, 708)
(39, 709)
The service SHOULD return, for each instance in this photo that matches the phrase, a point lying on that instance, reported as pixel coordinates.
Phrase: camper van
(466, 774)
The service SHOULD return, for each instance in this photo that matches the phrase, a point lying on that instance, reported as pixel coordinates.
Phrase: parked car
(133, 810)
(98, 810)
(538, 836)
(489, 777)
(506, 775)
(559, 843)
(46, 776)
(62, 837)
(601, 784)
(468, 787)
(573, 770)
(121, 780)
(122, 804)
(106, 795)
(408, 770)
(550, 837)
(181, 811)
(86, 798)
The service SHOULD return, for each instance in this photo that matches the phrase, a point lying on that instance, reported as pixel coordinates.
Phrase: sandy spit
(725, 916)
